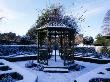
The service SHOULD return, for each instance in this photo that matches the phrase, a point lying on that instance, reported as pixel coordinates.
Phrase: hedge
(6, 50)
(14, 59)
(85, 49)
(92, 60)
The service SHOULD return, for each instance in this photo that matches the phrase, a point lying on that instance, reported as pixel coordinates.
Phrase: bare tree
(106, 25)
(1, 18)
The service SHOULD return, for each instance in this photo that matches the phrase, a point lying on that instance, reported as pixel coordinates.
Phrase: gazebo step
(56, 69)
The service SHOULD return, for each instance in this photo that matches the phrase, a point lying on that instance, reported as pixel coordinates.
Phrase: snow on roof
(55, 25)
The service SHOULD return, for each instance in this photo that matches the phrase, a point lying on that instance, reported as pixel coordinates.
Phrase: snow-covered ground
(60, 77)
(99, 72)
(90, 71)
(27, 76)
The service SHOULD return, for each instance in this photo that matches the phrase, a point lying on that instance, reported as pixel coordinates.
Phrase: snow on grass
(60, 77)
(27, 76)
(99, 72)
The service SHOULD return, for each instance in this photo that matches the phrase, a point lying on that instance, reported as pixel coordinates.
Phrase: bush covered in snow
(30, 64)
(100, 80)
(34, 66)
(10, 77)
(101, 73)
(14, 50)
(90, 51)
(105, 51)
(76, 67)
(108, 69)
(39, 67)
(7, 78)
(85, 49)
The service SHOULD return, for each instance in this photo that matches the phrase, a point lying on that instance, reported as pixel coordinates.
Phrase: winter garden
(51, 51)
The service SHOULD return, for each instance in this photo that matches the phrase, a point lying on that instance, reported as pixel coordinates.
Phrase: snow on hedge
(14, 50)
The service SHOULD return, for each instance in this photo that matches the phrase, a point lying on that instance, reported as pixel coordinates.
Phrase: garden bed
(14, 75)
(4, 68)
(1, 63)
(92, 60)
(100, 80)
(20, 58)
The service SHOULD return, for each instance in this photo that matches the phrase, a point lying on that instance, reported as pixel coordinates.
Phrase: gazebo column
(64, 47)
(73, 41)
(38, 47)
(47, 46)
(55, 45)
(49, 43)
(61, 43)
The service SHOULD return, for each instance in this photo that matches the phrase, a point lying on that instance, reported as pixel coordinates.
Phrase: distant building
(79, 39)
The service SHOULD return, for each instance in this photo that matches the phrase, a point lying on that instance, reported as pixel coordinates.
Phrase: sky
(20, 15)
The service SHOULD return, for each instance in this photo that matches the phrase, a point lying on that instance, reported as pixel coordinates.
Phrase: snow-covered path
(58, 61)
(53, 77)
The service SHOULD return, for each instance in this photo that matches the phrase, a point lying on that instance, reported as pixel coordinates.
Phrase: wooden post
(55, 45)
(47, 46)
(38, 47)
(73, 45)
(61, 43)
(64, 49)
(49, 40)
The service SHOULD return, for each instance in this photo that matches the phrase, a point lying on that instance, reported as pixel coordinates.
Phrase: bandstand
(55, 34)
